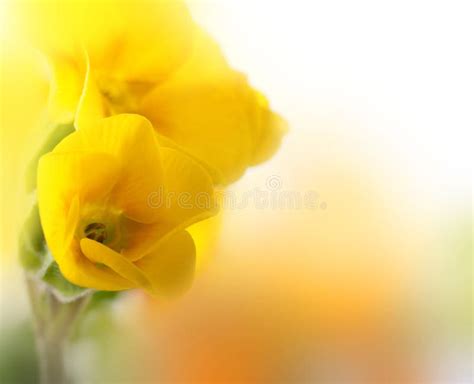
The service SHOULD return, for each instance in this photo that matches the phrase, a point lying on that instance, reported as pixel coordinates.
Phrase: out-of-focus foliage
(18, 361)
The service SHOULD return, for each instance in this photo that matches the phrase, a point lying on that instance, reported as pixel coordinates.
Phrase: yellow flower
(125, 47)
(149, 58)
(114, 206)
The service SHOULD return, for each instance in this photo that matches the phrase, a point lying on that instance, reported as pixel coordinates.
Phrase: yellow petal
(49, 25)
(209, 121)
(131, 140)
(188, 194)
(170, 267)
(129, 40)
(269, 128)
(61, 178)
(140, 239)
(206, 62)
(206, 234)
(72, 220)
(152, 39)
(99, 253)
(203, 108)
(66, 88)
(215, 174)
(81, 271)
(92, 106)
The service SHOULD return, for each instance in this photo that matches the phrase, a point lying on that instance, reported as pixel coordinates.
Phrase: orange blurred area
(296, 295)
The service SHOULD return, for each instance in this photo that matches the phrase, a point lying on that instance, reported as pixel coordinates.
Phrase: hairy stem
(53, 321)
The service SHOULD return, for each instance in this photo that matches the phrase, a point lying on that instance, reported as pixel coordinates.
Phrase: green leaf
(32, 246)
(64, 289)
(58, 133)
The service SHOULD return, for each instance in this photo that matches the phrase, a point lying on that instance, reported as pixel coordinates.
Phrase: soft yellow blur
(23, 100)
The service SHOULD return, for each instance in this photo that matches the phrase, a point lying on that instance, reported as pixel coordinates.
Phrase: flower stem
(53, 321)
(51, 360)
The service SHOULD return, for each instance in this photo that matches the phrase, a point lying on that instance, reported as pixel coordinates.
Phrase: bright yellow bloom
(114, 206)
(149, 58)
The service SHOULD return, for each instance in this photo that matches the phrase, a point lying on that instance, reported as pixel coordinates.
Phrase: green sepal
(63, 288)
(58, 133)
(101, 298)
(32, 246)
(35, 258)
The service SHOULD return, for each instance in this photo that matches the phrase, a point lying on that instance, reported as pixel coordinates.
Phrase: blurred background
(347, 258)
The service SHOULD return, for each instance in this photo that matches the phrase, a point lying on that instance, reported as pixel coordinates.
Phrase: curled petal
(85, 273)
(170, 267)
(99, 253)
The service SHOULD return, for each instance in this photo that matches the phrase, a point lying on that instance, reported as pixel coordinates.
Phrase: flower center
(122, 96)
(96, 231)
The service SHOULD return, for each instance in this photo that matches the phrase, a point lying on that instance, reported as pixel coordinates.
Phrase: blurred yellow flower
(211, 111)
(100, 223)
(125, 47)
(149, 58)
